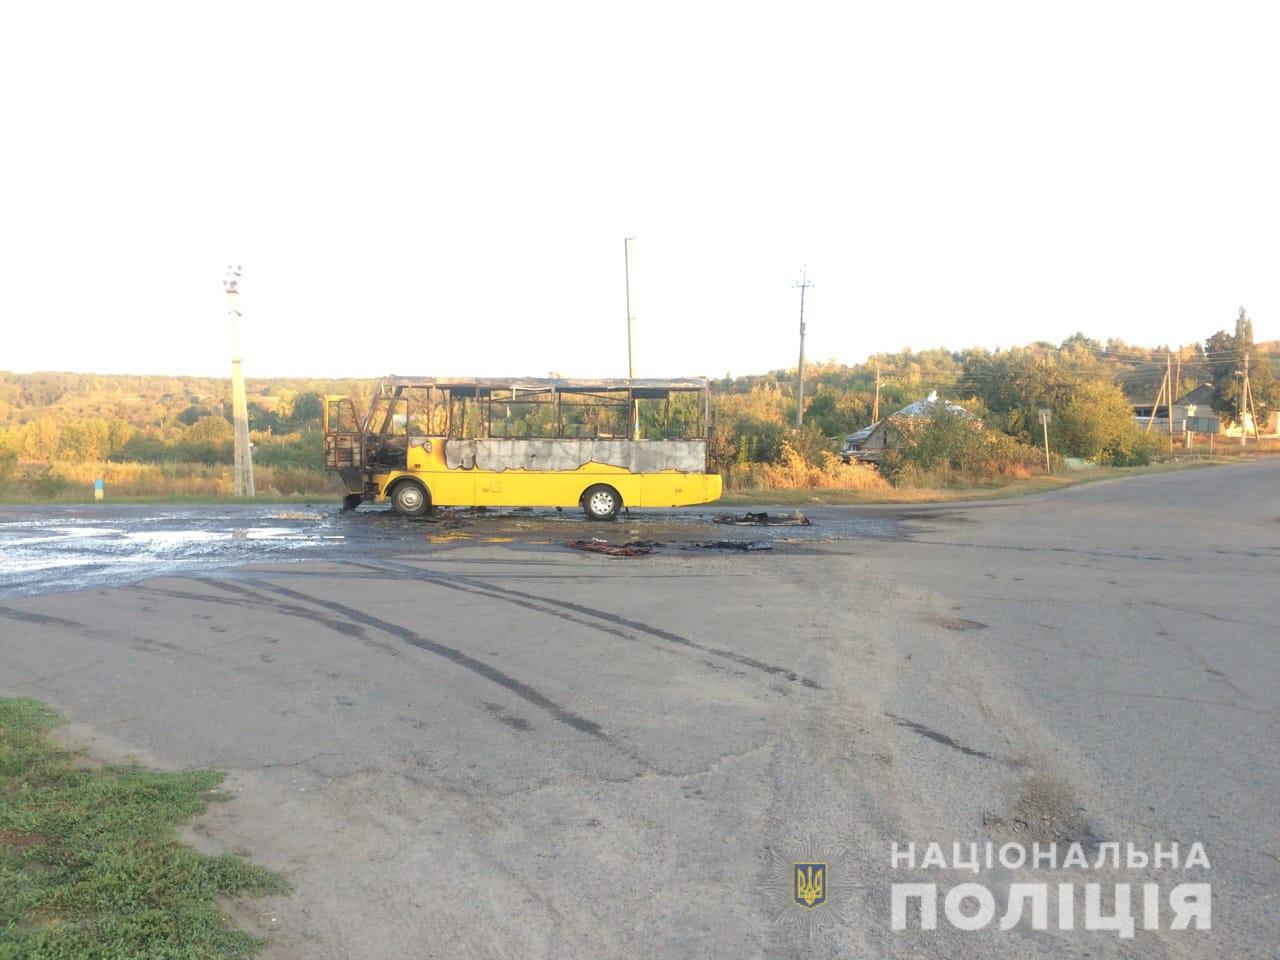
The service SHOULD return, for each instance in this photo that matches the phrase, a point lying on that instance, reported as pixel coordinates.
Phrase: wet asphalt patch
(56, 548)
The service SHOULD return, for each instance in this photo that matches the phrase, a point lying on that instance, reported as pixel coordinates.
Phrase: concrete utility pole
(804, 285)
(875, 404)
(240, 408)
(631, 344)
(634, 412)
(1168, 375)
(1246, 392)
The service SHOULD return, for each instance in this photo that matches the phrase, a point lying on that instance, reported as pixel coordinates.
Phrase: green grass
(982, 491)
(91, 865)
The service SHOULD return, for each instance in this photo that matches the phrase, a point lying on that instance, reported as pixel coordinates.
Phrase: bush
(796, 472)
(8, 459)
(47, 484)
(951, 449)
(1097, 424)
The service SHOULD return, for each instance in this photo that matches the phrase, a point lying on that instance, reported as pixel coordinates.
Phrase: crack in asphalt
(942, 738)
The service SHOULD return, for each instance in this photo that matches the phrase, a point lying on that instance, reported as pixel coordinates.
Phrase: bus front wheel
(601, 502)
(409, 499)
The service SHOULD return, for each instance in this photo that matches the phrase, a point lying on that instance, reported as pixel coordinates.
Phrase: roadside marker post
(1045, 414)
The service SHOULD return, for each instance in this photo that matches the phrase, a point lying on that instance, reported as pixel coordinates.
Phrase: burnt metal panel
(638, 456)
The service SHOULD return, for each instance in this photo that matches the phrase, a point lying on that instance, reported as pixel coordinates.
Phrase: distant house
(866, 445)
(1192, 412)
(1195, 412)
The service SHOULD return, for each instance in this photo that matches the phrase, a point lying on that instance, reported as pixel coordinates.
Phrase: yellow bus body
(474, 487)
(599, 444)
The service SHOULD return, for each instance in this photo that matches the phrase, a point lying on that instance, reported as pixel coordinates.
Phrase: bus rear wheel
(601, 502)
(409, 499)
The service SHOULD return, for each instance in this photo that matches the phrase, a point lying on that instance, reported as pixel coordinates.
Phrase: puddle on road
(45, 549)
(51, 549)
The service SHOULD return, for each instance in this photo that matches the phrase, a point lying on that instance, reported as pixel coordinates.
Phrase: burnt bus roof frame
(392, 388)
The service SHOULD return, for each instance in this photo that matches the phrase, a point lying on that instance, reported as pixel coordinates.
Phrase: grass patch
(91, 865)
(19, 498)
(977, 491)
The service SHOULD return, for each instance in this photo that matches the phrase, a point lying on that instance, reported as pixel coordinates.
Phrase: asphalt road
(466, 739)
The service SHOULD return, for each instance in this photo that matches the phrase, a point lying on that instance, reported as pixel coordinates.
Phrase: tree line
(1090, 385)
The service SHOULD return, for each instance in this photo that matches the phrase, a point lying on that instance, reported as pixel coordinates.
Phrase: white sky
(444, 188)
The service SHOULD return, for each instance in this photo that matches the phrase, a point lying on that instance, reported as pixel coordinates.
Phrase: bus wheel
(351, 501)
(409, 499)
(601, 502)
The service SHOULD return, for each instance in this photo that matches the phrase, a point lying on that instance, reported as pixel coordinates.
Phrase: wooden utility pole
(1164, 383)
(804, 285)
(239, 406)
(1168, 376)
(875, 404)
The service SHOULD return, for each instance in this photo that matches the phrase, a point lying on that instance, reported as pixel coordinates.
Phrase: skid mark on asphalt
(942, 738)
(510, 719)
(44, 620)
(958, 624)
(254, 601)
(467, 662)
(516, 596)
(85, 630)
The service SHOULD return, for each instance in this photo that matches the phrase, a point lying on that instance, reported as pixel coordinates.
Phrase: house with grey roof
(867, 445)
(1192, 412)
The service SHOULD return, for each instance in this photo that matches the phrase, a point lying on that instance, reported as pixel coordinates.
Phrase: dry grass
(797, 473)
(1008, 487)
(74, 481)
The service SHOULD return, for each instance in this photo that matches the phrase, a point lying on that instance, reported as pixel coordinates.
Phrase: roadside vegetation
(171, 437)
(90, 864)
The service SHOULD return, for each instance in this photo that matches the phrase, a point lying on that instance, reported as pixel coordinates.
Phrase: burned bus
(597, 444)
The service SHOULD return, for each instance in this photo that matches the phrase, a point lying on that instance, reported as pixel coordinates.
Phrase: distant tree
(1097, 424)
(84, 439)
(260, 418)
(208, 440)
(1078, 339)
(1244, 330)
(40, 439)
(119, 433)
(191, 414)
(835, 412)
(10, 447)
(209, 429)
(284, 404)
(1226, 361)
(307, 407)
